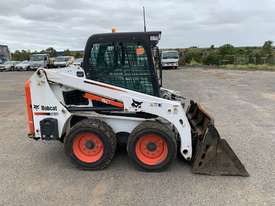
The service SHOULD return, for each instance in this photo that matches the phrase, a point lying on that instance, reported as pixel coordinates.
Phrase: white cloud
(38, 24)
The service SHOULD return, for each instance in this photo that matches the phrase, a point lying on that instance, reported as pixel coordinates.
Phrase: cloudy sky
(66, 24)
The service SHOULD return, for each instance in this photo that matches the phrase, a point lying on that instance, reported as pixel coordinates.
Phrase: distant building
(4, 53)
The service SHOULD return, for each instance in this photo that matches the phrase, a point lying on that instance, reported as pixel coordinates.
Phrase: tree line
(228, 54)
(21, 55)
(224, 55)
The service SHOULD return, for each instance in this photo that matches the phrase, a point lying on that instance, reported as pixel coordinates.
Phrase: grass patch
(250, 67)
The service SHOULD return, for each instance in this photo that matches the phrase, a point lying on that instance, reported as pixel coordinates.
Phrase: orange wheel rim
(88, 147)
(151, 149)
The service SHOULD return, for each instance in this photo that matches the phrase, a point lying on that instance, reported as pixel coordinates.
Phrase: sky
(67, 24)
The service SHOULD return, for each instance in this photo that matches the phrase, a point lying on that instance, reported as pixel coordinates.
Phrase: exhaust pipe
(212, 155)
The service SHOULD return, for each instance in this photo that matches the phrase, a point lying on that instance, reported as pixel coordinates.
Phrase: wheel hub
(151, 149)
(90, 145)
(151, 146)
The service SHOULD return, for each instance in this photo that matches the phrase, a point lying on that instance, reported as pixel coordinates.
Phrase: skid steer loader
(118, 97)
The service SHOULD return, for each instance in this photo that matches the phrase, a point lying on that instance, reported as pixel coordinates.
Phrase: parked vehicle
(78, 62)
(23, 66)
(170, 59)
(2, 67)
(51, 62)
(4, 54)
(63, 61)
(9, 65)
(39, 60)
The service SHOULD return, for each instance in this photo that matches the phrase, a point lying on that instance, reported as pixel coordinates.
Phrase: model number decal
(44, 107)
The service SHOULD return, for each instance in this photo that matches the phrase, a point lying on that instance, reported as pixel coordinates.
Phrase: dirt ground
(243, 104)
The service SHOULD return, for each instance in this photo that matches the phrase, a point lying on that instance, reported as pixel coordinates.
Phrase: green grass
(251, 67)
(194, 63)
(247, 67)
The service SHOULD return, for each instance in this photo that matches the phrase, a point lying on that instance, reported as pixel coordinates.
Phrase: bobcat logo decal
(136, 104)
(36, 107)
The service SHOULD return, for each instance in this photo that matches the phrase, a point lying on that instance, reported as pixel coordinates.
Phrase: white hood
(169, 60)
(60, 63)
(23, 64)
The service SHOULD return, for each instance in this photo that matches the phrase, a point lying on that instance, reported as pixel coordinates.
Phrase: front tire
(152, 146)
(91, 144)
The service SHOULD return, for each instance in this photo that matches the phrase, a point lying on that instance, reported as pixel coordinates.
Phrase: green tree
(51, 52)
(226, 49)
(67, 52)
(267, 48)
(212, 57)
(21, 55)
(227, 53)
(194, 54)
(267, 52)
(42, 52)
(256, 56)
(77, 54)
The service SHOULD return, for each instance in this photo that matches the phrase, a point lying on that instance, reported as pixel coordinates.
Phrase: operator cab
(129, 60)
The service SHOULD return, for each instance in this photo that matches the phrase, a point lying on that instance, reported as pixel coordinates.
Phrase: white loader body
(46, 87)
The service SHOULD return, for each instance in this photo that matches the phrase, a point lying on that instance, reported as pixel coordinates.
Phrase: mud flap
(212, 155)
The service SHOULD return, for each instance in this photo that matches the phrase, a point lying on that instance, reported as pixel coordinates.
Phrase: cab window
(121, 64)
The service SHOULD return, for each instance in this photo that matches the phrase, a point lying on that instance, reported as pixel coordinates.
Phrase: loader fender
(71, 121)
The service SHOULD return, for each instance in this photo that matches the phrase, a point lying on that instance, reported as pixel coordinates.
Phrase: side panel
(171, 111)
(122, 124)
(46, 105)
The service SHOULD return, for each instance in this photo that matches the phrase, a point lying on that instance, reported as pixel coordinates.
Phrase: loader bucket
(212, 155)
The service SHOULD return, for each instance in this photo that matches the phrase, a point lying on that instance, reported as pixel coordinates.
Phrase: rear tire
(152, 146)
(91, 144)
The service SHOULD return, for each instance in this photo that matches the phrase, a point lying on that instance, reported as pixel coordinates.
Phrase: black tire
(103, 131)
(160, 130)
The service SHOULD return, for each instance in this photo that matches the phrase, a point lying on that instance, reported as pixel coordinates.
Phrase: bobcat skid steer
(117, 96)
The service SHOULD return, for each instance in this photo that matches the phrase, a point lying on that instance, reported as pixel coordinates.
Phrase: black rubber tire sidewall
(171, 144)
(109, 147)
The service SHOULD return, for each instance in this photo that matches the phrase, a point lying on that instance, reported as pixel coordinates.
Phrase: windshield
(9, 62)
(62, 59)
(37, 58)
(78, 60)
(170, 55)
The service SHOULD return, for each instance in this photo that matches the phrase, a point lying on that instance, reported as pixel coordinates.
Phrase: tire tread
(101, 126)
(153, 126)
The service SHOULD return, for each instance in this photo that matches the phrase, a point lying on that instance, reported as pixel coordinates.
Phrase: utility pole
(144, 19)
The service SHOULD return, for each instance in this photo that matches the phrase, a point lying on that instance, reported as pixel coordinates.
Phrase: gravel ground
(243, 104)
